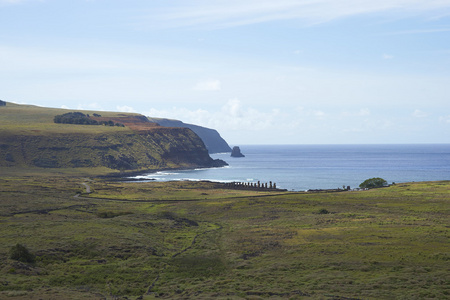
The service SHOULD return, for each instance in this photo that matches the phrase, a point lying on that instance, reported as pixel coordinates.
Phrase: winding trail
(88, 188)
(88, 191)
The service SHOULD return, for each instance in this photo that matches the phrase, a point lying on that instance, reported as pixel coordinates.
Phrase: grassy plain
(201, 241)
(30, 119)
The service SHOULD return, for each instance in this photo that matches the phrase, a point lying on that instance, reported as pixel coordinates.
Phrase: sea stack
(236, 152)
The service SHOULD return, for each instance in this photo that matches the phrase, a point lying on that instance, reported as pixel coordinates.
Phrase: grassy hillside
(30, 139)
(35, 120)
(202, 241)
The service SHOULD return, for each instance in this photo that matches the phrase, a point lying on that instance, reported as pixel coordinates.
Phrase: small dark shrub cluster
(82, 119)
(20, 252)
(323, 211)
(112, 214)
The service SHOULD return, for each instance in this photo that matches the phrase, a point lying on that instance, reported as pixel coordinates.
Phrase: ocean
(303, 167)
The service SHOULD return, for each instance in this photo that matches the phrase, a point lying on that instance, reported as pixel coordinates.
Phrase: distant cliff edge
(212, 139)
(30, 137)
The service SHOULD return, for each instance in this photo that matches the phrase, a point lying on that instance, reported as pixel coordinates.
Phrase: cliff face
(154, 149)
(212, 139)
(139, 146)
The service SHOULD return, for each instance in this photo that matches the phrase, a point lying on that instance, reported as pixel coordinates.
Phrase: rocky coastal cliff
(212, 139)
(30, 138)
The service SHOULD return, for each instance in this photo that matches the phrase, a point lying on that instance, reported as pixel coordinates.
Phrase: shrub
(74, 118)
(323, 211)
(20, 252)
(112, 214)
(82, 119)
(373, 183)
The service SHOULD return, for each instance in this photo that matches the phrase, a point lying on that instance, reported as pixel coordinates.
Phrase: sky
(258, 71)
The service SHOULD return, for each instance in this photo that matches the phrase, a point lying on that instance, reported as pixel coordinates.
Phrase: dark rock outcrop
(236, 152)
(2, 103)
(212, 139)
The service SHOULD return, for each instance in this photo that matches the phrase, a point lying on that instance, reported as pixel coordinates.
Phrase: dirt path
(88, 188)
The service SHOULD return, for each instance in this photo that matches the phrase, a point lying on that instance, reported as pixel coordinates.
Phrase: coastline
(122, 176)
(301, 168)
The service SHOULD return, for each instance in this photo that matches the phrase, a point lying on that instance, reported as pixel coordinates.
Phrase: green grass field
(199, 241)
(35, 120)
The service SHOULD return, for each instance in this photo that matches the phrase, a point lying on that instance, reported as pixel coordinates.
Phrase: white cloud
(307, 113)
(231, 13)
(239, 122)
(208, 85)
(198, 116)
(387, 56)
(233, 108)
(420, 114)
(232, 116)
(361, 113)
(319, 114)
(90, 106)
(125, 108)
(445, 119)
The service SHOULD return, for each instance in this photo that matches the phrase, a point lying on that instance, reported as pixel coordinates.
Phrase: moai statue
(270, 185)
(274, 185)
(259, 184)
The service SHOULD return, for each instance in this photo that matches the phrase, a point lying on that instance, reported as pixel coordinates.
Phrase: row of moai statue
(252, 185)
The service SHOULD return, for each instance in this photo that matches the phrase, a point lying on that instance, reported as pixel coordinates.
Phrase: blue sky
(260, 72)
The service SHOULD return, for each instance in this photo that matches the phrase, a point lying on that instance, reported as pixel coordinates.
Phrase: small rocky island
(236, 152)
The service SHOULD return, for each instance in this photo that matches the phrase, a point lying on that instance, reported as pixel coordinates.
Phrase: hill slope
(212, 139)
(30, 138)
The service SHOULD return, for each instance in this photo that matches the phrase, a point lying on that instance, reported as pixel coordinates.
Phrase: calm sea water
(302, 167)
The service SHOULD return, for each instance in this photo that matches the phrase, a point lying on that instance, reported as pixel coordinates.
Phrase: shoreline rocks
(236, 152)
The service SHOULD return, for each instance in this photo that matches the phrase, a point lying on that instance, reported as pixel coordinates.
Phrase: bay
(303, 167)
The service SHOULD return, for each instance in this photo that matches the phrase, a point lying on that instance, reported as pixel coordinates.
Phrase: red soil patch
(138, 123)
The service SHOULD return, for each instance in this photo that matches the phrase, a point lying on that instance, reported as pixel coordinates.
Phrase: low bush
(82, 119)
(373, 183)
(112, 214)
(20, 253)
